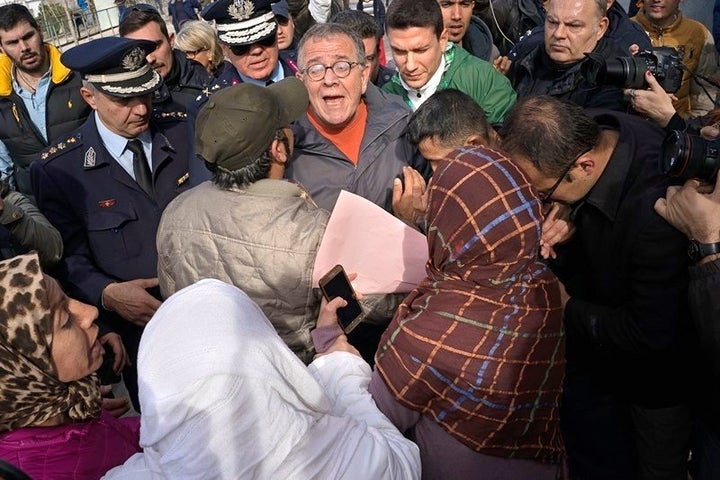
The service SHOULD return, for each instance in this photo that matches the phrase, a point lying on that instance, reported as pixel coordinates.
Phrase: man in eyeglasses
(247, 30)
(352, 137)
(625, 405)
(183, 80)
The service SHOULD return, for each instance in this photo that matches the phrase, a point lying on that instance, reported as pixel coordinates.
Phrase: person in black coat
(625, 411)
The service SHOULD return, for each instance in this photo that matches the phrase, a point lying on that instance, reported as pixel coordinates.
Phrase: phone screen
(338, 285)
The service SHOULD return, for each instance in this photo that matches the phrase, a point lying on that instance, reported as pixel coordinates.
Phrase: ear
(365, 77)
(278, 153)
(89, 97)
(602, 28)
(586, 165)
(443, 40)
(171, 40)
(475, 140)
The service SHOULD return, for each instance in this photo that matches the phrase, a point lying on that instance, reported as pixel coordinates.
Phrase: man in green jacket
(426, 64)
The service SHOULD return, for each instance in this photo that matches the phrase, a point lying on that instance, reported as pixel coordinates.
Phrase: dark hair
(549, 132)
(402, 14)
(255, 171)
(13, 14)
(136, 17)
(449, 115)
(363, 24)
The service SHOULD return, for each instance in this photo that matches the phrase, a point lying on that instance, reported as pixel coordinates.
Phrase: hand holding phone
(335, 283)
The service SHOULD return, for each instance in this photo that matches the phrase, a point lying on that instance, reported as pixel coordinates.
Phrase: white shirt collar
(418, 96)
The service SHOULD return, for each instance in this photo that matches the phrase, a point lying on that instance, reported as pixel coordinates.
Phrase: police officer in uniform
(105, 186)
(247, 30)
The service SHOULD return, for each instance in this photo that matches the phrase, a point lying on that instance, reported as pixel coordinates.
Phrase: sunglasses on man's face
(240, 50)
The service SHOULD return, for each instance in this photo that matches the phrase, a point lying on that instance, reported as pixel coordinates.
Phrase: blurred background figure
(286, 40)
(199, 42)
(183, 10)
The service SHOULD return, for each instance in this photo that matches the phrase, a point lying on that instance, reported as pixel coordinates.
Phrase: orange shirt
(348, 139)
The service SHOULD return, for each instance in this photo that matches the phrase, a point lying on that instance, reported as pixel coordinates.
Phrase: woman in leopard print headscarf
(31, 393)
(48, 353)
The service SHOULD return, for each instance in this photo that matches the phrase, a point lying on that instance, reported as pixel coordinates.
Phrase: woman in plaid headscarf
(473, 361)
(51, 422)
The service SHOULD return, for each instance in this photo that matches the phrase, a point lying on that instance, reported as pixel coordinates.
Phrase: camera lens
(626, 72)
(688, 156)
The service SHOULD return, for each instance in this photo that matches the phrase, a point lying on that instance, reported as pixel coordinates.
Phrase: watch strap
(697, 251)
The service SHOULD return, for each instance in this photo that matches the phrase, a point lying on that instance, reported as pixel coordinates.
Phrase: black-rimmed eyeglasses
(341, 69)
(546, 197)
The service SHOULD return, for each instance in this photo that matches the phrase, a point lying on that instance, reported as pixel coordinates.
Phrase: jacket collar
(650, 27)
(58, 72)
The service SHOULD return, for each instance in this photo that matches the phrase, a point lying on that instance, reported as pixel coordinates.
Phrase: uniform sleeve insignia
(183, 179)
(65, 145)
(89, 158)
(175, 115)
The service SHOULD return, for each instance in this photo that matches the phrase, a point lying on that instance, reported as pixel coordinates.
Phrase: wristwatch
(697, 251)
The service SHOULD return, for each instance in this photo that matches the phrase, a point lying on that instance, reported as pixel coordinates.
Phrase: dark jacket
(65, 111)
(478, 39)
(189, 12)
(107, 222)
(229, 76)
(509, 18)
(184, 84)
(303, 19)
(625, 270)
(621, 30)
(536, 74)
(705, 312)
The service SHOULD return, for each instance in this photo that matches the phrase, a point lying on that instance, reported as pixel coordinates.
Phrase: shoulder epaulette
(65, 145)
(169, 115)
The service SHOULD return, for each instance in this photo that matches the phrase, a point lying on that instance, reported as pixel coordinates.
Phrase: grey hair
(325, 31)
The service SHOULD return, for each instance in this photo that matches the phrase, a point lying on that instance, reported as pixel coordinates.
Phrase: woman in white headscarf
(222, 396)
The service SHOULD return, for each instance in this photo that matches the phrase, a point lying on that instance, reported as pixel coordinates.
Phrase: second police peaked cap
(115, 65)
(242, 22)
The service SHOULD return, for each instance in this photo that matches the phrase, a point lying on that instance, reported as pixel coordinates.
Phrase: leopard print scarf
(30, 392)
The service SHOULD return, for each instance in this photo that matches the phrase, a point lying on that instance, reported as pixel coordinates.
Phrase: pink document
(387, 255)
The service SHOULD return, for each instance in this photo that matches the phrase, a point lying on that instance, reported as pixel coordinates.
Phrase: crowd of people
(165, 193)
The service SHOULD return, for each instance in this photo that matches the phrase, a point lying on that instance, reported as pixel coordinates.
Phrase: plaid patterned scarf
(479, 344)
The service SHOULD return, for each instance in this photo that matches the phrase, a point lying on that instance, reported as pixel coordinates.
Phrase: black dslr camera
(665, 63)
(689, 156)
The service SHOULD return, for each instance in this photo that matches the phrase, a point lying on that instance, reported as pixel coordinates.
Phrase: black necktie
(269, 82)
(143, 175)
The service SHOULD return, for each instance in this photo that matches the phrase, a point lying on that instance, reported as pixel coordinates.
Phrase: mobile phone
(105, 373)
(335, 283)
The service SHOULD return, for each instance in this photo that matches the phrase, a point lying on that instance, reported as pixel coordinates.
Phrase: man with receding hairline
(573, 29)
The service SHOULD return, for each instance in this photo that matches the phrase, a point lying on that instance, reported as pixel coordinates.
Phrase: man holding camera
(560, 67)
(694, 209)
(624, 412)
(667, 27)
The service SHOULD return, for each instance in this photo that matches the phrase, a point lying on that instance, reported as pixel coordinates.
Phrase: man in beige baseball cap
(248, 226)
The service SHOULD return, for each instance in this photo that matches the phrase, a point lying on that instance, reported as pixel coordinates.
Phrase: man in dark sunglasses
(247, 31)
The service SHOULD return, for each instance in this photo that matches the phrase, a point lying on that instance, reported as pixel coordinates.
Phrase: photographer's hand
(692, 210)
(654, 103)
